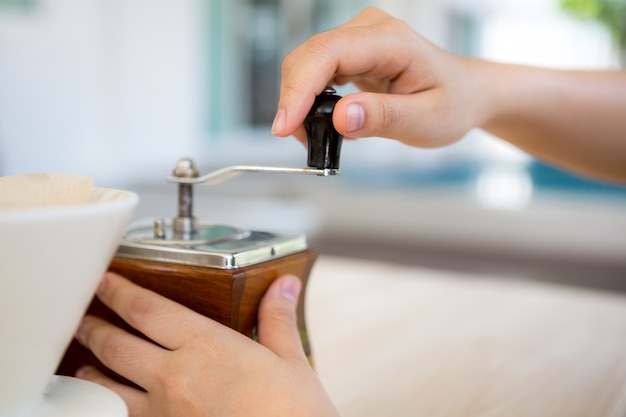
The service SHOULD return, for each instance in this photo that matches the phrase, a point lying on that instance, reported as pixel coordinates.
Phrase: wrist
(494, 85)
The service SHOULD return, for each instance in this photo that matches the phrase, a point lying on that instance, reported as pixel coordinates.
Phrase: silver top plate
(253, 248)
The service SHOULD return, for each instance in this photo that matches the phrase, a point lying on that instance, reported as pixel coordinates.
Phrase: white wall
(101, 87)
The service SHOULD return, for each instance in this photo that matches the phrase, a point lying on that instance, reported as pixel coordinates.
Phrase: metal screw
(184, 223)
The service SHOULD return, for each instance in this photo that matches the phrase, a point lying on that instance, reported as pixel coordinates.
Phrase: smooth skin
(412, 91)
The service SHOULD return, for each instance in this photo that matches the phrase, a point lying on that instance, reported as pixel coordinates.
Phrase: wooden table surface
(402, 341)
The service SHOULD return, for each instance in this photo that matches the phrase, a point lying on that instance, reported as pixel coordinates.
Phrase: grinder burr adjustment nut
(185, 223)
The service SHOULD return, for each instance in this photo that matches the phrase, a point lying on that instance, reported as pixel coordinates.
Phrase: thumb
(278, 329)
(404, 117)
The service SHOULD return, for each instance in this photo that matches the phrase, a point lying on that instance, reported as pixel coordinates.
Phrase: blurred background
(120, 89)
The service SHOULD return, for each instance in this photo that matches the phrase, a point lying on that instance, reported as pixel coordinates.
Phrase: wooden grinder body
(229, 296)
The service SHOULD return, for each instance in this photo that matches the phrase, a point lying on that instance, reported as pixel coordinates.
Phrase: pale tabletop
(399, 341)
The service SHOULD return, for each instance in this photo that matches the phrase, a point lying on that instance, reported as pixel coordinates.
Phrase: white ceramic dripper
(51, 261)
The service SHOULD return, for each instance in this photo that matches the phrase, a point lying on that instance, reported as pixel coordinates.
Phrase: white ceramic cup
(51, 261)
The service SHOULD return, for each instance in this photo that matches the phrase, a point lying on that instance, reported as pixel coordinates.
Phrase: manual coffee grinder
(219, 271)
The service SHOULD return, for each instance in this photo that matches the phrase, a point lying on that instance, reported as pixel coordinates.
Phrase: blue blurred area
(544, 177)
(408, 177)
(549, 178)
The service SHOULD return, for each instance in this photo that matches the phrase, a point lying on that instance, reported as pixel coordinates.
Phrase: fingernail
(356, 117)
(101, 286)
(82, 372)
(279, 122)
(79, 330)
(290, 288)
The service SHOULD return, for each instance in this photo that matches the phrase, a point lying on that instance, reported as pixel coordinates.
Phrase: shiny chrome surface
(163, 232)
(223, 174)
(254, 248)
(186, 240)
(185, 223)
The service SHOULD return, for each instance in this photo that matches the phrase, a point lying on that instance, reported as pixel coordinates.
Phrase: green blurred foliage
(611, 13)
(24, 5)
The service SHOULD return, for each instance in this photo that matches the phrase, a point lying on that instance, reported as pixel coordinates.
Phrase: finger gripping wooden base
(229, 296)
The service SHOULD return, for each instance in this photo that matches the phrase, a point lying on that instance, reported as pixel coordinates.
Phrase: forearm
(574, 119)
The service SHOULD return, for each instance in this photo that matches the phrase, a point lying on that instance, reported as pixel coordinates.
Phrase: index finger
(160, 319)
(356, 48)
(305, 72)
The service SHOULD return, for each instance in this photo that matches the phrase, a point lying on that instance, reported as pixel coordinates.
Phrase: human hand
(200, 367)
(419, 94)
(412, 90)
